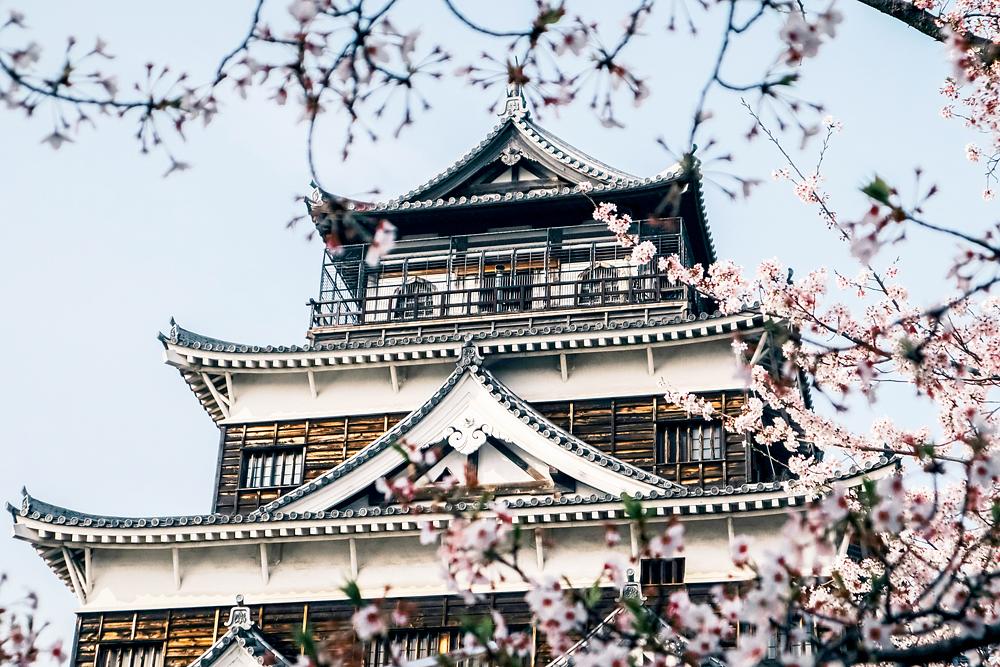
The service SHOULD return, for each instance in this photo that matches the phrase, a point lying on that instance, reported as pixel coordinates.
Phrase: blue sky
(98, 250)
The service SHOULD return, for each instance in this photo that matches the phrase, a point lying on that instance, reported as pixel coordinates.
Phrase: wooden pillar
(215, 626)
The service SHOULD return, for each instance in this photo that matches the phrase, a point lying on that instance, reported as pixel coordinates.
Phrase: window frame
(509, 290)
(159, 646)
(665, 445)
(433, 640)
(298, 472)
(676, 568)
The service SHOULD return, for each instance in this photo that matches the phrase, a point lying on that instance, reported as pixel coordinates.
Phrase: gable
(492, 465)
(242, 645)
(473, 416)
(517, 156)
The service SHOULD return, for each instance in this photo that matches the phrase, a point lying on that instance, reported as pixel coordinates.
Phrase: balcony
(512, 278)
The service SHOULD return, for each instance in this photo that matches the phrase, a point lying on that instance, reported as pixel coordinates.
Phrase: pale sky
(98, 250)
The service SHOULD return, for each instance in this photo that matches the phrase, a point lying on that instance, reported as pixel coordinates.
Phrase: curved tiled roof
(540, 139)
(712, 500)
(185, 338)
(611, 188)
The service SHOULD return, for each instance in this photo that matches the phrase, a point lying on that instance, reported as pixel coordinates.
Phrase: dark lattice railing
(496, 276)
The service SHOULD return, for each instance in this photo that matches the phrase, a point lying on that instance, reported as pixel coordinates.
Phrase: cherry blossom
(369, 622)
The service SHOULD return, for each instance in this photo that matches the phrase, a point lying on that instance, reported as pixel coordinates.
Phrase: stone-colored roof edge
(38, 510)
(595, 189)
(189, 339)
(697, 183)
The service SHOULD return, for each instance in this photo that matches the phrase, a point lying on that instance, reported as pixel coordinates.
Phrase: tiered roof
(554, 169)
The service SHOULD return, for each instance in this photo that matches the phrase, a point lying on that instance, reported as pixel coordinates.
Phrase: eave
(203, 360)
(632, 185)
(48, 526)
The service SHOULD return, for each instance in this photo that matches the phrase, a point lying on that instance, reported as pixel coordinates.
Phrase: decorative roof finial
(516, 104)
(631, 589)
(239, 616)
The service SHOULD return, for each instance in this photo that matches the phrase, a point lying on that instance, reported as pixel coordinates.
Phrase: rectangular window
(264, 468)
(661, 571)
(131, 654)
(414, 644)
(689, 441)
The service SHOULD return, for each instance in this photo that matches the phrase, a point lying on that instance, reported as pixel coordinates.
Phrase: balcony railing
(532, 274)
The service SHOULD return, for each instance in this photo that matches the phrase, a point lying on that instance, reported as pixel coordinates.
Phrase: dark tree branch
(919, 19)
(943, 651)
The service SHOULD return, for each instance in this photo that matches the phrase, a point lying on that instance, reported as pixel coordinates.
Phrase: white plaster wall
(495, 468)
(400, 562)
(579, 552)
(697, 366)
(764, 531)
(266, 396)
(299, 567)
(216, 571)
(706, 551)
(315, 569)
(127, 576)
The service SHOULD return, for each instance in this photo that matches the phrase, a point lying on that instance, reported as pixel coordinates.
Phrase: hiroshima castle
(509, 330)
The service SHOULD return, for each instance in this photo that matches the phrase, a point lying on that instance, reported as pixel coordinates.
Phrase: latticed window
(413, 644)
(272, 467)
(130, 654)
(683, 442)
(661, 571)
(413, 299)
(600, 284)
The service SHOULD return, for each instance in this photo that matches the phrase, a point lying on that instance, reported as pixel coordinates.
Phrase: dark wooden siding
(187, 633)
(624, 427)
(327, 443)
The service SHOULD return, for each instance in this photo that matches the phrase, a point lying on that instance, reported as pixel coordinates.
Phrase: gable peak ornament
(468, 435)
(469, 354)
(239, 616)
(515, 105)
(511, 155)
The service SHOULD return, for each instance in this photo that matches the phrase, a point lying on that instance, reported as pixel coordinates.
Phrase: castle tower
(506, 328)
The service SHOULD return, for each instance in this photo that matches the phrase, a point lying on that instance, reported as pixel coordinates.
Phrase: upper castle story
(505, 237)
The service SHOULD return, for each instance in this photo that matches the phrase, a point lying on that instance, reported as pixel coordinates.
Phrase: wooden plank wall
(624, 427)
(187, 633)
(327, 443)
